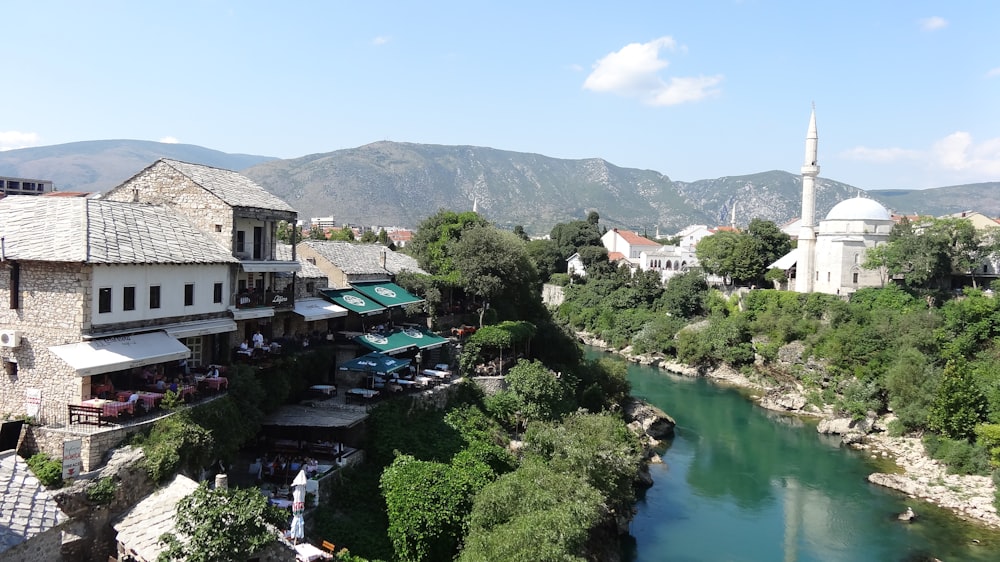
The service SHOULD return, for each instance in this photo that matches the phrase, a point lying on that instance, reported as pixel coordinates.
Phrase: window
(189, 294)
(310, 287)
(241, 240)
(128, 298)
(104, 300)
(11, 368)
(154, 296)
(828, 276)
(855, 277)
(217, 293)
(218, 228)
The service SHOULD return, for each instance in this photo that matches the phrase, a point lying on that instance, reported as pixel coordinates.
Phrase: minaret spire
(805, 267)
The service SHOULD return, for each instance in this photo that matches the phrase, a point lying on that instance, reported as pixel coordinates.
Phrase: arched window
(856, 259)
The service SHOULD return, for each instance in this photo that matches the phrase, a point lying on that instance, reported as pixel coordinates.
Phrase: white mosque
(828, 257)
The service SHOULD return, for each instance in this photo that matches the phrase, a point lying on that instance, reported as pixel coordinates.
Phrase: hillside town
(126, 307)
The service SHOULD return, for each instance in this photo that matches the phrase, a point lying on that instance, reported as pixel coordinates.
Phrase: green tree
(520, 233)
(221, 525)
(540, 394)
(571, 236)
(685, 294)
(959, 405)
(317, 233)
(546, 257)
(428, 504)
(715, 253)
(368, 237)
(284, 233)
(383, 237)
(490, 261)
(431, 244)
(345, 234)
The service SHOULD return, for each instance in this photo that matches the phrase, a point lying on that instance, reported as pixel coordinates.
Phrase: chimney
(381, 258)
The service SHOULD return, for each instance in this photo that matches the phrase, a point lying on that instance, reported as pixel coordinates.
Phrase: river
(739, 483)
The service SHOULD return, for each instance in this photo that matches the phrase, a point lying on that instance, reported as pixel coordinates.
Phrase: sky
(907, 93)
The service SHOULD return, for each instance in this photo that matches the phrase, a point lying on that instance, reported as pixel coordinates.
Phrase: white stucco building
(830, 255)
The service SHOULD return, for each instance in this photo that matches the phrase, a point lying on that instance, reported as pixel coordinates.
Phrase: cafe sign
(72, 463)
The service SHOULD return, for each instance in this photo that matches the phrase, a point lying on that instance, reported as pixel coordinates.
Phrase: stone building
(345, 263)
(114, 287)
(239, 215)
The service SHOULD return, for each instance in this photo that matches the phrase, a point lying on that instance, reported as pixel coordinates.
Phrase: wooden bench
(329, 546)
(91, 415)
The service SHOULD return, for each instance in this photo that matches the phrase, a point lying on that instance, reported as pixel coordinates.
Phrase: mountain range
(400, 184)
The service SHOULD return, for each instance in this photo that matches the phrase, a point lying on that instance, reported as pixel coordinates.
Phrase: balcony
(261, 264)
(263, 299)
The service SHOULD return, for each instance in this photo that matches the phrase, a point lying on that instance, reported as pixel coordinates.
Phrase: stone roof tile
(102, 231)
(233, 188)
(363, 259)
(139, 529)
(26, 508)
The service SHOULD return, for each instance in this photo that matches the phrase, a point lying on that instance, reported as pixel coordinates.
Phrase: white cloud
(933, 23)
(958, 152)
(10, 140)
(380, 40)
(170, 140)
(993, 72)
(633, 71)
(881, 155)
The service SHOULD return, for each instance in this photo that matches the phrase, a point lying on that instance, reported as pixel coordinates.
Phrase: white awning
(121, 352)
(201, 328)
(251, 313)
(786, 262)
(318, 309)
(270, 266)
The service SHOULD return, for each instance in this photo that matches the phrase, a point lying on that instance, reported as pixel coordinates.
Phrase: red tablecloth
(110, 408)
(148, 399)
(215, 383)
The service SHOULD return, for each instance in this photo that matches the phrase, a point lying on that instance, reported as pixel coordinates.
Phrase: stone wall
(44, 547)
(552, 295)
(490, 385)
(53, 310)
(94, 445)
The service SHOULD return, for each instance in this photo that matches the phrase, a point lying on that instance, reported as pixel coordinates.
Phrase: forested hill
(400, 184)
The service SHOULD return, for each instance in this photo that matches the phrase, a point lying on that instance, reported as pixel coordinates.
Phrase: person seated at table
(161, 384)
(274, 347)
(295, 465)
(174, 386)
(244, 349)
(212, 372)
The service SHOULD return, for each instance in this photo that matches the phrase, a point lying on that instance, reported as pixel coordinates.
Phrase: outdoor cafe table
(148, 399)
(327, 389)
(423, 381)
(436, 373)
(363, 394)
(214, 383)
(109, 408)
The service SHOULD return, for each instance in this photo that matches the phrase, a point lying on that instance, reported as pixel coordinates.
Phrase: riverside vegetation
(911, 358)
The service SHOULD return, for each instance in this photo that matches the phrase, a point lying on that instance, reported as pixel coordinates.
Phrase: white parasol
(297, 531)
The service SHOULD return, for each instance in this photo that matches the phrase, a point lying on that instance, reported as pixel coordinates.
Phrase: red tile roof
(634, 239)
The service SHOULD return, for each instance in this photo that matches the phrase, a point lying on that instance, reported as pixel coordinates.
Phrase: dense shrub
(47, 469)
(961, 456)
(102, 491)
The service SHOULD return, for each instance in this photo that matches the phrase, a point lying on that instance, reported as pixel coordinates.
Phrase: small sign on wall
(32, 401)
(72, 463)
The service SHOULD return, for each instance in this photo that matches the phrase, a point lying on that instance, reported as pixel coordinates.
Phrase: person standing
(258, 340)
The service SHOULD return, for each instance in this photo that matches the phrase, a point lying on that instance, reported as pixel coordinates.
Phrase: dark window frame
(217, 293)
(154, 297)
(128, 297)
(104, 302)
(189, 294)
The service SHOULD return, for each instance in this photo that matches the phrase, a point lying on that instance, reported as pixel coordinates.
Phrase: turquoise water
(740, 483)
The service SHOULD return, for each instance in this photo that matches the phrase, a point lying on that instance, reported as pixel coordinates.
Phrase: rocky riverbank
(919, 476)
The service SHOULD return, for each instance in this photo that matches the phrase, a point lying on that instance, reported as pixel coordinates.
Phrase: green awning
(353, 301)
(401, 340)
(388, 344)
(422, 339)
(388, 294)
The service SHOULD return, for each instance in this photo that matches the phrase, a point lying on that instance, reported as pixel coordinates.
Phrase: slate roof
(233, 188)
(362, 259)
(101, 231)
(26, 509)
(139, 529)
(283, 252)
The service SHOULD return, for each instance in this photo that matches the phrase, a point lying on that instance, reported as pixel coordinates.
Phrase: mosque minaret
(806, 266)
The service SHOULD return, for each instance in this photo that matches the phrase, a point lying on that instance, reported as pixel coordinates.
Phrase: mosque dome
(859, 208)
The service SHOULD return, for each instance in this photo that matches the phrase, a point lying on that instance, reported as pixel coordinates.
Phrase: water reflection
(743, 484)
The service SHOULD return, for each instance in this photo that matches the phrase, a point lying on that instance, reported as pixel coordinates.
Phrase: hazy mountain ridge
(101, 165)
(400, 184)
